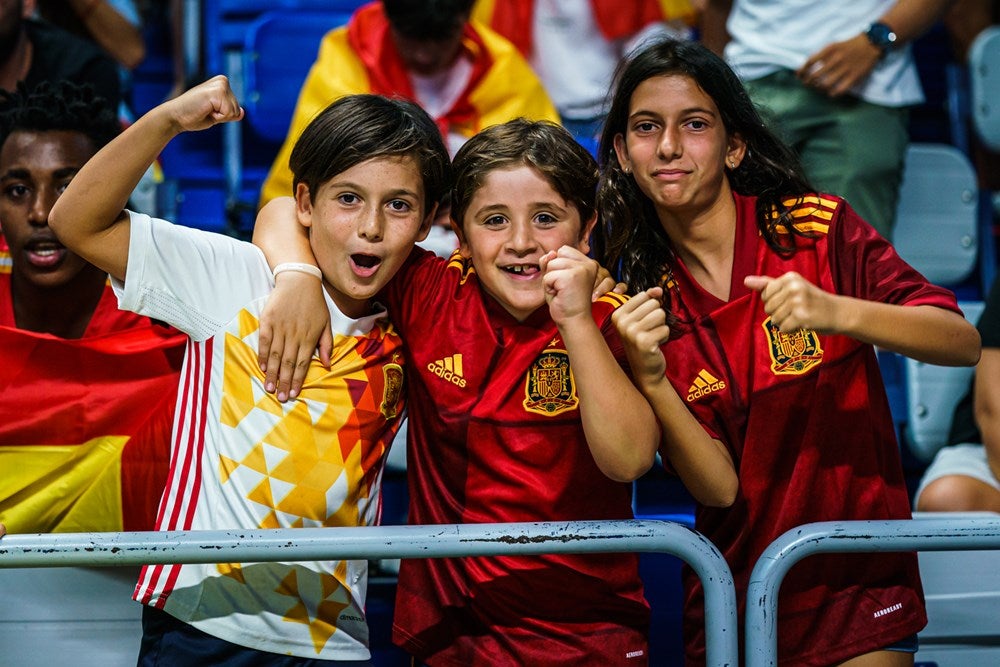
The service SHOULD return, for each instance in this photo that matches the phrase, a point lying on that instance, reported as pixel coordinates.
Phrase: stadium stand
(269, 87)
(962, 592)
(932, 392)
(69, 616)
(984, 71)
(212, 181)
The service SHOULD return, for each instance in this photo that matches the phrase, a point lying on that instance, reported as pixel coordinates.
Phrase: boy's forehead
(399, 166)
(21, 144)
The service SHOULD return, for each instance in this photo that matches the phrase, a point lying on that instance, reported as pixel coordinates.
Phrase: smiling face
(35, 168)
(677, 147)
(514, 218)
(363, 223)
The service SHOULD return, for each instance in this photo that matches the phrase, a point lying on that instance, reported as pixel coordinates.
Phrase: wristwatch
(881, 36)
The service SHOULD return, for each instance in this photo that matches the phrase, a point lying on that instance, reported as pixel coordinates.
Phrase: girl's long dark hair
(630, 241)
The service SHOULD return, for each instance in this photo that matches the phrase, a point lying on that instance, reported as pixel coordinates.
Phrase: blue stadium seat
(984, 73)
(962, 591)
(266, 72)
(937, 216)
(279, 49)
(932, 392)
(225, 23)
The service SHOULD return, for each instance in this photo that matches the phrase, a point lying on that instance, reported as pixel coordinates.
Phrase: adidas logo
(448, 369)
(704, 385)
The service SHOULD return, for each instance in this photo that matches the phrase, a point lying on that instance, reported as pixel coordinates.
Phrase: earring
(732, 164)
(627, 170)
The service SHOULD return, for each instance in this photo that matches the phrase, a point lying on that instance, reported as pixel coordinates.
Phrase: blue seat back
(937, 216)
(932, 392)
(984, 75)
(280, 48)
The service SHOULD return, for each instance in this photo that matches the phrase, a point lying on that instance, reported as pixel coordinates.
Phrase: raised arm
(925, 333)
(88, 218)
(295, 318)
(702, 462)
(620, 426)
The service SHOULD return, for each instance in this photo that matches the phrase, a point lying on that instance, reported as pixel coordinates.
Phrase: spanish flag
(85, 424)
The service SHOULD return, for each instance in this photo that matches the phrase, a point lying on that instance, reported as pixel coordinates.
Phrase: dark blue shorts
(168, 642)
(905, 645)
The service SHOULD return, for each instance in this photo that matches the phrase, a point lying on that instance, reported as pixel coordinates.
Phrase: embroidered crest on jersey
(393, 389)
(792, 353)
(549, 388)
(704, 384)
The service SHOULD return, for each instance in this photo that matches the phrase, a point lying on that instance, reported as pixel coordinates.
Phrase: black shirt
(61, 55)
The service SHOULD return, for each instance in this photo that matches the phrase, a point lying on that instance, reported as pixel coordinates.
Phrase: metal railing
(508, 539)
(930, 534)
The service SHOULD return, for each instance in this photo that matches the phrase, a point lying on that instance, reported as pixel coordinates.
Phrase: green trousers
(848, 147)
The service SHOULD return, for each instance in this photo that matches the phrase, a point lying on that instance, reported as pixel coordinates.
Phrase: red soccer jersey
(495, 436)
(807, 421)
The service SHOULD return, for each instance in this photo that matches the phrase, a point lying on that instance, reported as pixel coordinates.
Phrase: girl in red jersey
(766, 300)
(500, 428)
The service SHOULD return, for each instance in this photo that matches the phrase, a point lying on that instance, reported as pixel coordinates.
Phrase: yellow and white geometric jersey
(240, 459)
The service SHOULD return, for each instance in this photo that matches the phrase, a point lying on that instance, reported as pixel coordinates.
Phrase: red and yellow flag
(85, 426)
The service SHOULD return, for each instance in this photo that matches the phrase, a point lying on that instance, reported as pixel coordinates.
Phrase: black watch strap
(881, 36)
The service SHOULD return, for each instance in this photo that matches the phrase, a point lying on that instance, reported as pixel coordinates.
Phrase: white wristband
(298, 267)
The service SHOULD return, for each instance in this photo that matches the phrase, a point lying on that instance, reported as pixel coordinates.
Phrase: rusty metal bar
(509, 539)
(924, 534)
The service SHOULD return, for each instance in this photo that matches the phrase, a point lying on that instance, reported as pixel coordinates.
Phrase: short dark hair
(430, 20)
(358, 128)
(60, 105)
(547, 147)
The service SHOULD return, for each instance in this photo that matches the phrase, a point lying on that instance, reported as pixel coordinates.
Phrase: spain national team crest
(549, 388)
(792, 353)
(393, 374)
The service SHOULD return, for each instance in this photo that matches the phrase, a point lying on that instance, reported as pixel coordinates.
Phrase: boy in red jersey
(768, 299)
(501, 429)
(369, 173)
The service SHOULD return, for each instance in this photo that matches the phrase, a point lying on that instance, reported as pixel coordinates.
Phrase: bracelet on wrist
(298, 267)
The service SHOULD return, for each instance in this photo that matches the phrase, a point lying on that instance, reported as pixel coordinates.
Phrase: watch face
(881, 35)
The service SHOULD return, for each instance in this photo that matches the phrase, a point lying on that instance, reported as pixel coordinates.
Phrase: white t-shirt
(438, 93)
(241, 460)
(573, 58)
(768, 35)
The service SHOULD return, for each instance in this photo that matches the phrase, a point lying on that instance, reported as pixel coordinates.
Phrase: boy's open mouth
(366, 261)
(44, 253)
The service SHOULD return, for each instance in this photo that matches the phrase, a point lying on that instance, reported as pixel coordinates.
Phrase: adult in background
(836, 80)
(464, 75)
(88, 390)
(575, 45)
(965, 476)
(33, 51)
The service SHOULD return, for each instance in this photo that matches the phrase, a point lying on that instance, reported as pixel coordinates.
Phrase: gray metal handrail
(509, 539)
(931, 534)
